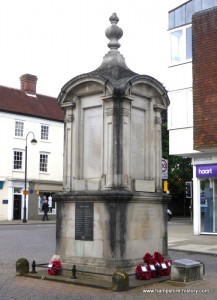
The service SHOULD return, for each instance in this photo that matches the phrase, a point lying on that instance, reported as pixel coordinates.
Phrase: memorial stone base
(103, 232)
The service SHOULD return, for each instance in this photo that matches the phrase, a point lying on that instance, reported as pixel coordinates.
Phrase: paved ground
(180, 237)
(36, 240)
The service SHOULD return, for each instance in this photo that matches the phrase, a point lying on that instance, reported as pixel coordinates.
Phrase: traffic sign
(164, 168)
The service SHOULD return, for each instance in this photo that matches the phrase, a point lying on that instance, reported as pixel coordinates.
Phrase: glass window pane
(208, 205)
(197, 5)
(189, 12)
(180, 16)
(207, 4)
(17, 190)
(19, 128)
(44, 132)
(189, 43)
(18, 160)
(176, 46)
(171, 20)
(43, 162)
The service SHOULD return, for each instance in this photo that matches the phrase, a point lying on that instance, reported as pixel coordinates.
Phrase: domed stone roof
(113, 66)
(113, 70)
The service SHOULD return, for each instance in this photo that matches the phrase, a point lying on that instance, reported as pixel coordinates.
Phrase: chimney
(28, 84)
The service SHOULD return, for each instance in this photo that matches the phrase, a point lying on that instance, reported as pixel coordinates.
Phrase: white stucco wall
(53, 147)
(181, 141)
(179, 77)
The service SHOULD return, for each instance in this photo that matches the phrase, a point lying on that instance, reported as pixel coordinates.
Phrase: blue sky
(57, 40)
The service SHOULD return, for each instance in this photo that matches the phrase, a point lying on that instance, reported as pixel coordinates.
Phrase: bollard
(22, 267)
(157, 267)
(33, 267)
(120, 281)
(74, 272)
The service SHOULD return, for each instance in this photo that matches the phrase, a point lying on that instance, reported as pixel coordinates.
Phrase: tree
(179, 171)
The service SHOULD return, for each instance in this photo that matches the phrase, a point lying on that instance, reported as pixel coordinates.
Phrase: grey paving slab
(37, 241)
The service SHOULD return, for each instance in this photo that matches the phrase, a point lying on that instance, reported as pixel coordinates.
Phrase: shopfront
(205, 200)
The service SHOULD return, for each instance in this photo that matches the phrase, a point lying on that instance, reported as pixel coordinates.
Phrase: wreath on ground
(154, 266)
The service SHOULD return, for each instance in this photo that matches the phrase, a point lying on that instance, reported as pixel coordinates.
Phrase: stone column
(68, 164)
(158, 142)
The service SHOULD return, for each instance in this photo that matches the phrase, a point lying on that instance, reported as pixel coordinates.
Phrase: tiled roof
(38, 106)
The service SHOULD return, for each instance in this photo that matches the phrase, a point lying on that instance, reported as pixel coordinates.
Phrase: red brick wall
(204, 44)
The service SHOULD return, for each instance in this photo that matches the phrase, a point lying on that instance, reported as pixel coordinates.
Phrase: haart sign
(206, 171)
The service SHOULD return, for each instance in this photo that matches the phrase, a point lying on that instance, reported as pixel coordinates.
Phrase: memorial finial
(114, 33)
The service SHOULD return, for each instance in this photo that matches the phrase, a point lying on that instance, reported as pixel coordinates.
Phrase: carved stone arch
(84, 85)
(148, 87)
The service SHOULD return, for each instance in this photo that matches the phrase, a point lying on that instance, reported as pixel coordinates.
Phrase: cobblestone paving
(37, 242)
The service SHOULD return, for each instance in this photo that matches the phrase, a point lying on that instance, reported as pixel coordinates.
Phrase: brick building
(193, 96)
(24, 115)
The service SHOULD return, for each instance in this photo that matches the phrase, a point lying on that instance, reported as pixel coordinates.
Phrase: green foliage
(179, 168)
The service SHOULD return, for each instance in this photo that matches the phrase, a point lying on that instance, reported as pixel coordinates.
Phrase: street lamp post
(33, 142)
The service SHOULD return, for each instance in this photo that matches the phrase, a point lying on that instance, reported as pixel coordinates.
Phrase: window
(180, 111)
(181, 45)
(43, 162)
(17, 190)
(183, 14)
(19, 128)
(188, 43)
(51, 203)
(44, 132)
(18, 158)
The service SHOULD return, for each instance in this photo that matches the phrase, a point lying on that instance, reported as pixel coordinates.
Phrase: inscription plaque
(84, 221)
(138, 143)
(92, 142)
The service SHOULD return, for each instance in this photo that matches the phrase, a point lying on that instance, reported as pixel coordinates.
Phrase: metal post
(33, 141)
(158, 270)
(74, 272)
(24, 208)
(33, 267)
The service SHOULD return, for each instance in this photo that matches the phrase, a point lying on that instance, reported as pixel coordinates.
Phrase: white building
(25, 115)
(181, 119)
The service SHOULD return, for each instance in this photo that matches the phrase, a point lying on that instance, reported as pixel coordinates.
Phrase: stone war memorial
(112, 209)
